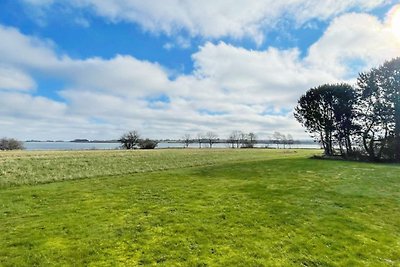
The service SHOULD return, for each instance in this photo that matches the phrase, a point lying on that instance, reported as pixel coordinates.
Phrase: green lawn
(197, 208)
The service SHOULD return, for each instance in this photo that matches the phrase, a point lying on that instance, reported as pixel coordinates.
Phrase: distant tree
(252, 139)
(325, 111)
(242, 139)
(200, 139)
(211, 138)
(130, 140)
(187, 140)
(290, 140)
(147, 144)
(231, 139)
(249, 140)
(10, 144)
(277, 138)
(238, 136)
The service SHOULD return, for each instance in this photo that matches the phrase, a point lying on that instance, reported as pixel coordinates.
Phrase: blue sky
(95, 69)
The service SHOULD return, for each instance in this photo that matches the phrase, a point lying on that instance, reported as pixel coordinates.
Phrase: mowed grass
(240, 208)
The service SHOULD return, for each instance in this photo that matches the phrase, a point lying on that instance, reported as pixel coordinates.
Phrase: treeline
(361, 122)
(237, 139)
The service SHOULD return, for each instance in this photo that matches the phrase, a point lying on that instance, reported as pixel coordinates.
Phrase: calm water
(95, 146)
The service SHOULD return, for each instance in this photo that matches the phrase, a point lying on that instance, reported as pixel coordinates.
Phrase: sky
(97, 69)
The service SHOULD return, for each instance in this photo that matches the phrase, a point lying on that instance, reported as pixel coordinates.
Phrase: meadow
(219, 207)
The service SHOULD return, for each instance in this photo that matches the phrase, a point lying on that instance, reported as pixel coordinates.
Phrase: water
(108, 146)
(69, 146)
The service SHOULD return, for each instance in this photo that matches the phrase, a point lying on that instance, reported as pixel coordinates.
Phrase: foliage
(147, 144)
(10, 144)
(130, 140)
(379, 111)
(327, 112)
(368, 115)
(266, 208)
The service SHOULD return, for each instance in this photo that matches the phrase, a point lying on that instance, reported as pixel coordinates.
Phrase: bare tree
(248, 140)
(199, 139)
(211, 138)
(290, 140)
(130, 140)
(252, 139)
(234, 138)
(277, 138)
(242, 139)
(187, 140)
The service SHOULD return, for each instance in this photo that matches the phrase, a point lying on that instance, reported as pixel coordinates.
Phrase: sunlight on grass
(270, 209)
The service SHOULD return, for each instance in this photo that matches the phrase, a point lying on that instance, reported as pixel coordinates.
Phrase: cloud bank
(231, 88)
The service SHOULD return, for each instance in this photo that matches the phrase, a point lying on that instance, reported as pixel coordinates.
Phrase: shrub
(147, 144)
(10, 144)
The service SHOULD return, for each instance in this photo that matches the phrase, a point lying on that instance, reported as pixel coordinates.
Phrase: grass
(24, 167)
(204, 208)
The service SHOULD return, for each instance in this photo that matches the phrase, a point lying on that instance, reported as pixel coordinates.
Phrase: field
(196, 208)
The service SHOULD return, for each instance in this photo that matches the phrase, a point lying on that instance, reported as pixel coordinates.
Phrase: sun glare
(395, 21)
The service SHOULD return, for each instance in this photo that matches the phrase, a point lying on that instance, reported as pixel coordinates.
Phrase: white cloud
(24, 105)
(231, 87)
(14, 79)
(25, 51)
(215, 19)
(351, 38)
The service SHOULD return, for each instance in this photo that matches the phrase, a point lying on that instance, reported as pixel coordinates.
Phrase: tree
(187, 140)
(344, 108)
(199, 139)
(10, 144)
(277, 138)
(326, 112)
(379, 110)
(252, 139)
(388, 80)
(130, 140)
(211, 138)
(232, 139)
(372, 115)
(290, 140)
(238, 135)
(248, 140)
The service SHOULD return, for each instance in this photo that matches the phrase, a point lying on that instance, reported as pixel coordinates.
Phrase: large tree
(327, 113)
(373, 114)
(389, 81)
(379, 110)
